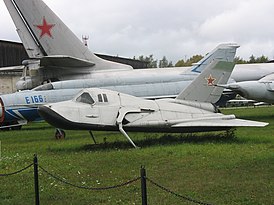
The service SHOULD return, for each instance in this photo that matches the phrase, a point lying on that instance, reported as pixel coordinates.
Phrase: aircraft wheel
(60, 134)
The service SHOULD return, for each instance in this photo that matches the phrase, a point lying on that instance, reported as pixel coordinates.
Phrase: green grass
(209, 167)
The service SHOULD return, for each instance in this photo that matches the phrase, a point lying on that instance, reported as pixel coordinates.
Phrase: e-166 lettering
(34, 99)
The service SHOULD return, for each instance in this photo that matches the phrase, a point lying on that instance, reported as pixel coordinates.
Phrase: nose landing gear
(60, 134)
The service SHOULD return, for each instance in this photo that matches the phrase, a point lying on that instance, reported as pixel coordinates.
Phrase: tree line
(165, 63)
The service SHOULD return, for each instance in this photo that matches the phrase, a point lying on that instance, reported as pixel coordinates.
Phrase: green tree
(151, 63)
(170, 64)
(164, 63)
(180, 63)
(239, 60)
(189, 62)
(262, 59)
(252, 59)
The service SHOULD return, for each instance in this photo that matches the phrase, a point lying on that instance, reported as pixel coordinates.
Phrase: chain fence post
(36, 182)
(143, 185)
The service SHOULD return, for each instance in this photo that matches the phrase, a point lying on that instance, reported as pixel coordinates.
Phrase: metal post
(143, 185)
(36, 182)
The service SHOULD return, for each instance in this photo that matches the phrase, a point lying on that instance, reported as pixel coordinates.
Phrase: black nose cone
(53, 118)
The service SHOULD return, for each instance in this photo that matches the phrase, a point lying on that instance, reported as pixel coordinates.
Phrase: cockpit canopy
(85, 97)
(47, 86)
(91, 98)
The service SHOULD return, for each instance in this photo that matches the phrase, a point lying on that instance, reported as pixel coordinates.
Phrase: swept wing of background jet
(191, 111)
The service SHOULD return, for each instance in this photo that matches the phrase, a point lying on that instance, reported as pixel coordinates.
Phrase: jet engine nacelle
(254, 90)
(24, 83)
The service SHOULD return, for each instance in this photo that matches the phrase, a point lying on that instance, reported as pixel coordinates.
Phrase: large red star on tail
(45, 28)
(210, 80)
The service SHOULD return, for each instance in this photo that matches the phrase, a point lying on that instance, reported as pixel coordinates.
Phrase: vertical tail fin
(223, 52)
(42, 30)
(203, 87)
(31, 45)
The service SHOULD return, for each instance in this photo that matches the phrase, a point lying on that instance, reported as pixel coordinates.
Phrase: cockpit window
(47, 86)
(102, 98)
(85, 98)
(105, 98)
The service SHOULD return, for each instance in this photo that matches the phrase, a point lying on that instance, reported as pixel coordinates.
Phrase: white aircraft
(191, 111)
(56, 54)
(261, 90)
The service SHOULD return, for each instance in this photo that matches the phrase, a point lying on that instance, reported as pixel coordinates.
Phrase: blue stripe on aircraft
(30, 114)
(197, 67)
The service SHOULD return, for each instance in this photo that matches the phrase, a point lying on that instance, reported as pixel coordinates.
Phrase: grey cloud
(174, 28)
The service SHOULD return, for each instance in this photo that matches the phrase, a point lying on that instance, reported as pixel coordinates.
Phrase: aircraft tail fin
(224, 52)
(32, 47)
(203, 88)
(44, 34)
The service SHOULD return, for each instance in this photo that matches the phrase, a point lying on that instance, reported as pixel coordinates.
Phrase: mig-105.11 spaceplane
(191, 111)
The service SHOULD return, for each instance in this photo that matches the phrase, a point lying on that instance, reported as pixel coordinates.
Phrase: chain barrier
(108, 187)
(17, 172)
(178, 195)
(89, 188)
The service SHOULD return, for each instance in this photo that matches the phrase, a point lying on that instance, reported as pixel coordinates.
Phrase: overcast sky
(177, 29)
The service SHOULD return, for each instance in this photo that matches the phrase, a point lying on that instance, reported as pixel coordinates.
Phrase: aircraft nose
(2, 111)
(233, 86)
(47, 113)
(52, 117)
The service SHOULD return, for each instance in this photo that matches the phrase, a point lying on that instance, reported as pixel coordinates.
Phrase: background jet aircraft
(261, 90)
(22, 106)
(191, 111)
(56, 54)
(18, 108)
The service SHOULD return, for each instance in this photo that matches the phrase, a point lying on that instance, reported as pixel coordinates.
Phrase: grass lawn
(211, 168)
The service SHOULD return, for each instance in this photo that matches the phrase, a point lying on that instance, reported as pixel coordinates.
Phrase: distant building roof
(13, 53)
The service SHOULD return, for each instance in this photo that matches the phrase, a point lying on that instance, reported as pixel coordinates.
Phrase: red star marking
(45, 28)
(210, 80)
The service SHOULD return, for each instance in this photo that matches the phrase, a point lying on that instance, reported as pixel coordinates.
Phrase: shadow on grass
(159, 140)
(37, 127)
(167, 139)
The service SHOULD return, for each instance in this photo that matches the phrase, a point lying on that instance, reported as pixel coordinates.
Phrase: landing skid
(126, 135)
